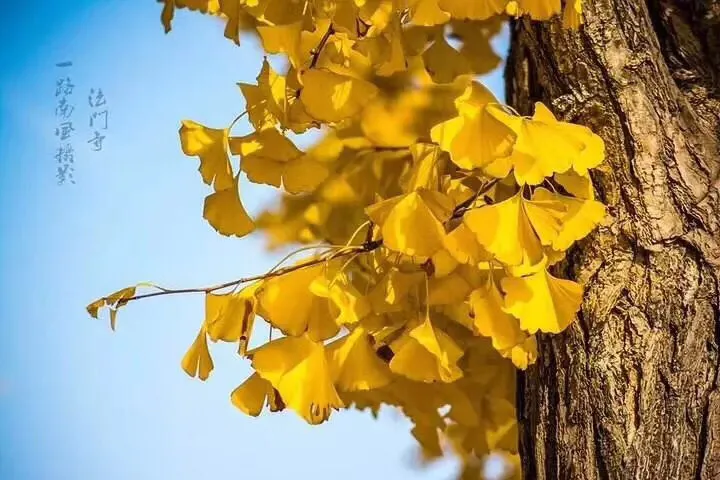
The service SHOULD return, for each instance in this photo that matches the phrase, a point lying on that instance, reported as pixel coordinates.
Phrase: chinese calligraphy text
(64, 129)
(98, 118)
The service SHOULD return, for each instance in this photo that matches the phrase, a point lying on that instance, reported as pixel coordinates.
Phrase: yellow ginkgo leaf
(371, 400)
(419, 401)
(428, 162)
(307, 313)
(345, 55)
(572, 15)
(230, 317)
(447, 290)
(497, 426)
(258, 109)
(476, 43)
(113, 318)
(589, 148)
(113, 301)
(120, 298)
(271, 158)
(462, 9)
(474, 98)
(292, 39)
(272, 12)
(460, 313)
(283, 39)
(592, 152)
(426, 354)
(537, 9)
(542, 302)
(427, 13)
(267, 145)
(351, 305)
(463, 409)
(413, 361)
(469, 442)
(385, 127)
(390, 57)
(94, 307)
(355, 364)
(443, 63)
(227, 315)
(251, 395)
(522, 227)
(413, 223)
(504, 230)
(264, 154)
(298, 368)
(545, 146)
(577, 185)
(332, 97)
(491, 320)
(429, 441)
(235, 16)
(476, 138)
(546, 214)
(577, 221)
(392, 291)
(524, 354)
(277, 97)
(461, 190)
(463, 246)
(443, 264)
(197, 361)
(210, 145)
(378, 13)
(501, 426)
(211, 7)
(226, 214)
(304, 174)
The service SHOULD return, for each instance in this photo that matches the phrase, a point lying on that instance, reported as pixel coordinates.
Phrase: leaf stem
(237, 119)
(465, 206)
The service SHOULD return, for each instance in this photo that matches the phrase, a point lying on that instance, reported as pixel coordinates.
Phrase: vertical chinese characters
(64, 153)
(98, 118)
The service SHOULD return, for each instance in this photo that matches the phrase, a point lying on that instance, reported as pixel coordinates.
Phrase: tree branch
(319, 48)
(364, 248)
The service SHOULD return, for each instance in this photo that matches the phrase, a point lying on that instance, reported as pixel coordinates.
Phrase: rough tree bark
(631, 390)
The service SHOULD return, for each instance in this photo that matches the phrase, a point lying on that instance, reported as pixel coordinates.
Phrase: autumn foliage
(434, 214)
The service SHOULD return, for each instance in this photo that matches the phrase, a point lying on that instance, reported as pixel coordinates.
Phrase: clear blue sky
(78, 402)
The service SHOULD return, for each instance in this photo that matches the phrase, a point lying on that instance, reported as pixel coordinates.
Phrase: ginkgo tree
(431, 218)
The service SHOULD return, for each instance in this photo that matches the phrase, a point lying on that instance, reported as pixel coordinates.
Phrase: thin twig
(319, 48)
(168, 291)
(464, 206)
(380, 148)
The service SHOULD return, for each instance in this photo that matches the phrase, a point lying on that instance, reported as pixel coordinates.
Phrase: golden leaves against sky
(437, 213)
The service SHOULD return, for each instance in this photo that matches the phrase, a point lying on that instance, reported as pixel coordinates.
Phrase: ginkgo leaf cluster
(438, 214)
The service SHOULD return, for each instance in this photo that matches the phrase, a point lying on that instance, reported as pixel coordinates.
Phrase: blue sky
(76, 400)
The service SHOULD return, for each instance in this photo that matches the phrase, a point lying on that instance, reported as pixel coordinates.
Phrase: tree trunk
(631, 389)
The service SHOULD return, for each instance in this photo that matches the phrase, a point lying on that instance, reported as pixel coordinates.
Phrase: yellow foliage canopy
(441, 212)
